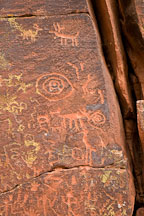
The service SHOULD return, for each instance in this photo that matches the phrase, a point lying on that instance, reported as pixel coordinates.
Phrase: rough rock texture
(132, 15)
(58, 110)
(140, 119)
(132, 21)
(139, 4)
(108, 16)
(79, 191)
(41, 7)
(108, 19)
(140, 122)
(140, 212)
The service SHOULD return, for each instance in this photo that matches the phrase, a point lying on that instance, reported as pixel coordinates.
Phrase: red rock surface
(78, 191)
(140, 119)
(41, 7)
(109, 24)
(132, 15)
(140, 122)
(58, 109)
(140, 212)
(139, 4)
(132, 20)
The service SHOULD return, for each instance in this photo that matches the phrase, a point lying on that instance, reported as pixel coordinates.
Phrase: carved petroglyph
(26, 34)
(101, 96)
(43, 122)
(56, 87)
(53, 86)
(8, 124)
(96, 118)
(16, 81)
(64, 36)
(14, 163)
(13, 80)
(21, 128)
(22, 154)
(90, 88)
(82, 66)
(76, 120)
(54, 125)
(9, 103)
(33, 147)
(72, 121)
(53, 121)
(76, 69)
(40, 196)
(4, 64)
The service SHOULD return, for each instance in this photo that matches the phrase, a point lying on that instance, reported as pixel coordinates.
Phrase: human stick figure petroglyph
(63, 36)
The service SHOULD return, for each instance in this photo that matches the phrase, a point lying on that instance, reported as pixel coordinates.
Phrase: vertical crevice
(134, 44)
(134, 91)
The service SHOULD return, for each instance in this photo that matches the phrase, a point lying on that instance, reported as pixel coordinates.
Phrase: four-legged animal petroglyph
(64, 36)
(76, 121)
(26, 34)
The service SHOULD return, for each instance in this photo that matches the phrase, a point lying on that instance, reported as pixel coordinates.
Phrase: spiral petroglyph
(97, 118)
(53, 86)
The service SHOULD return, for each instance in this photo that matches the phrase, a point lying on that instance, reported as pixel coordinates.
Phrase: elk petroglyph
(63, 36)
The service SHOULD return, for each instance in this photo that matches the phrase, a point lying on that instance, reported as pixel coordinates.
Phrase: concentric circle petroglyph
(97, 118)
(53, 86)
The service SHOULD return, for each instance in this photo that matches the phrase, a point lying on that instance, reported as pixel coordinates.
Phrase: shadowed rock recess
(71, 73)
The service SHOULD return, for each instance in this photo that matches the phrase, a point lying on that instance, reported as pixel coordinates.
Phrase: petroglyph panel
(60, 31)
(79, 191)
(41, 7)
(101, 192)
(57, 103)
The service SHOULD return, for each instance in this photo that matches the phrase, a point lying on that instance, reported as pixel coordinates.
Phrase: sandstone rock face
(140, 212)
(140, 118)
(132, 20)
(78, 191)
(132, 15)
(108, 18)
(62, 146)
(42, 7)
(139, 4)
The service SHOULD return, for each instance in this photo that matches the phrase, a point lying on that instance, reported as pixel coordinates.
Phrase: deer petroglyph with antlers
(64, 37)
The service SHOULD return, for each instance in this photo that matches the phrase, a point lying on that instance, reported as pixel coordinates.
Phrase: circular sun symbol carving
(97, 118)
(53, 86)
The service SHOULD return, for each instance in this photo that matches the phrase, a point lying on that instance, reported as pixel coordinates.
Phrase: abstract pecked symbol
(97, 118)
(53, 86)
